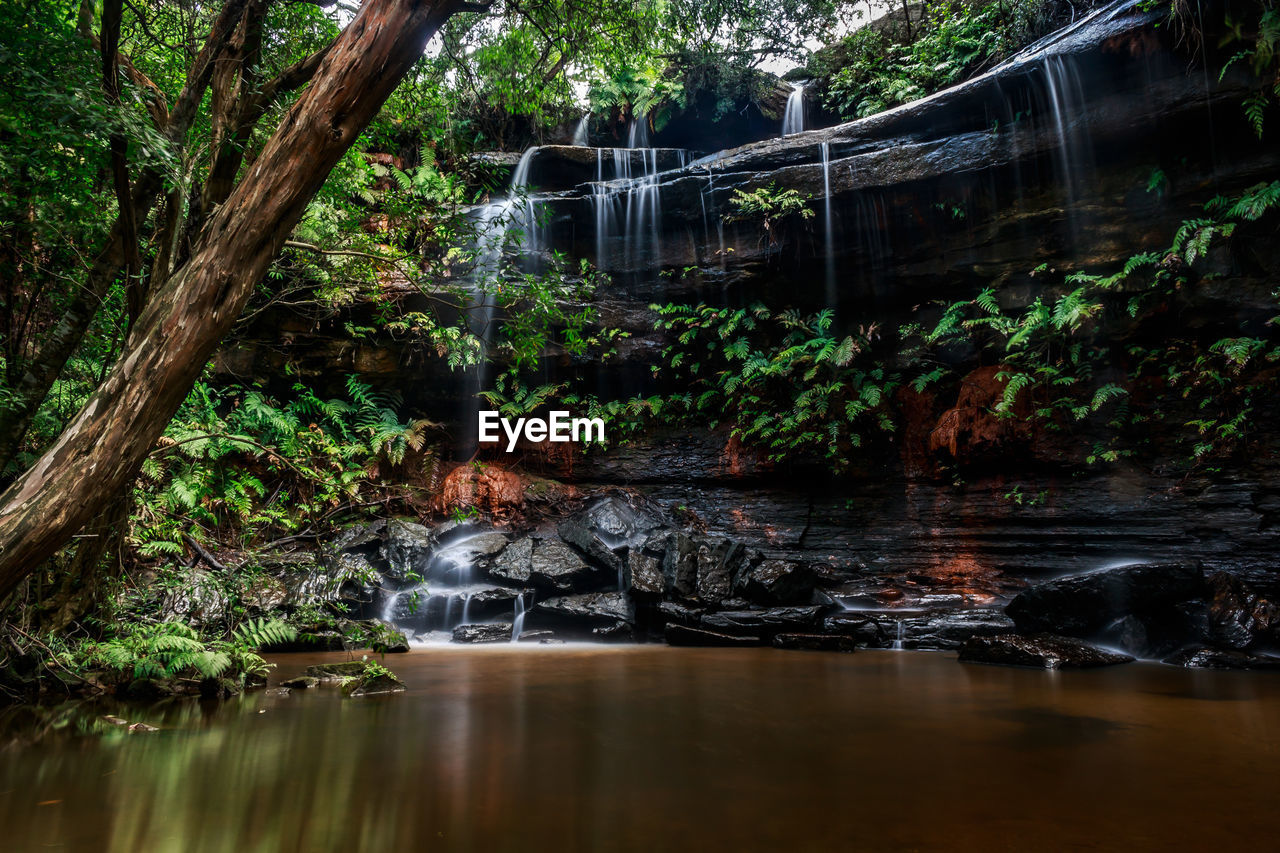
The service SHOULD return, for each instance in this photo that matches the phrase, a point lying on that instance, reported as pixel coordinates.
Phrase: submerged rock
(1206, 658)
(1038, 650)
(816, 642)
(681, 635)
(1143, 608)
(498, 632)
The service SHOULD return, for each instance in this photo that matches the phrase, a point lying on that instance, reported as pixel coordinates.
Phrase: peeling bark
(183, 321)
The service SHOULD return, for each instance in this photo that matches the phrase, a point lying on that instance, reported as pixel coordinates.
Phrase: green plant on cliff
(877, 66)
(1256, 37)
(783, 382)
(1063, 362)
(769, 206)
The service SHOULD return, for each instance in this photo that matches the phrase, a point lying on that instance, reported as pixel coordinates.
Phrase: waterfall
(829, 256)
(580, 132)
(897, 644)
(638, 135)
(441, 598)
(1066, 100)
(793, 116)
(517, 621)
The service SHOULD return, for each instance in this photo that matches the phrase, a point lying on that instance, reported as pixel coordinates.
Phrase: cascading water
(793, 116)
(1066, 101)
(517, 621)
(829, 249)
(442, 598)
(638, 135)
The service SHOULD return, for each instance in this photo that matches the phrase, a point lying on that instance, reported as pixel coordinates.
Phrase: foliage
(770, 206)
(237, 460)
(877, 67)
(1060, 362)
(1257, 34)
(783, 382)
(172, 650)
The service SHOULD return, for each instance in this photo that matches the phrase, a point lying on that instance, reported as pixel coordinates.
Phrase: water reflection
(656, 748)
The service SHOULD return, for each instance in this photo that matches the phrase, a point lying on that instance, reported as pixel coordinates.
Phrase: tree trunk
(183, 322)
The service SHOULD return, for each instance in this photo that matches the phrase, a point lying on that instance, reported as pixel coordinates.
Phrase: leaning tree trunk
(182, 324)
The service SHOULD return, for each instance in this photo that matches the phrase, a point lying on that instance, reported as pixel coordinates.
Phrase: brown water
(655, 749)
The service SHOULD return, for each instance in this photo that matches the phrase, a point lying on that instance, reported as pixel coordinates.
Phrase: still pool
(653, 749)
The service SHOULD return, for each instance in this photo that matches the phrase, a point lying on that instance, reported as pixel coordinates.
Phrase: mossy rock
(331, 672)
(375, 680)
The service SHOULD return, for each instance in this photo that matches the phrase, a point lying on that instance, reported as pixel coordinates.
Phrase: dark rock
(515, 562)
(1205, 658)
(1098, 605)
(816, 642)
(556, 566)
(680, 564)
(498, 632)
(1238, 615)
(302, 682)
(681, 635)
(535, 636)
(866, 628)
(279, 692)
(762, 622)
(600, 608)
(607, 529)
(776, 582)
(645, 572)
(1039, 650)
(718, 561)
(680, 614)
(616, 631)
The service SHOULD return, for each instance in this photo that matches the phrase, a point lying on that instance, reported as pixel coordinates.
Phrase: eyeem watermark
(557, 426)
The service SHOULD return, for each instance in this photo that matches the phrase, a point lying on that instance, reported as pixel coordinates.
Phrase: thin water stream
(653, 748)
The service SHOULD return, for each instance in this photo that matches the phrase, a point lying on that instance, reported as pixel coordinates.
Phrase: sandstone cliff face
(1045, 160)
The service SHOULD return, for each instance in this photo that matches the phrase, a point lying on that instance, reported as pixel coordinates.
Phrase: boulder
(1146, 609)
(554, 565)
(302, 682)
(773, 582)
(1238, 615)
(680, 614)
(681, 635)
(607, 529)
(645, 572)
(593, 610)
(1046, 651)
(1206, 658)
(535, 636)
(717, 561)
(497, 632)
(679, 564)
(514, 563)
(816, 642)
(765, 622)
